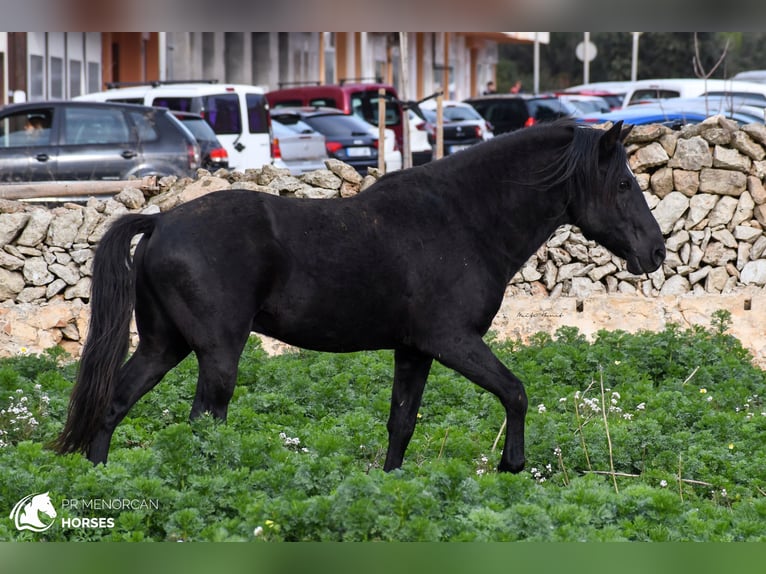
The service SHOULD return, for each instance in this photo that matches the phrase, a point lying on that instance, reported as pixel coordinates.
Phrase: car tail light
(530, 122)
(422, 126)
(333, 147)
(276, 153)
(375, 143)
(219, 154)
(193, 155)
(477, 129)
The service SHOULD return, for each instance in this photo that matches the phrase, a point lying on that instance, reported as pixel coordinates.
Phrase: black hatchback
(69, 140)
(509, 112)
(347, 137)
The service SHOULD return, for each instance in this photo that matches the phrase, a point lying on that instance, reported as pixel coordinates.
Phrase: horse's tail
(113, 298)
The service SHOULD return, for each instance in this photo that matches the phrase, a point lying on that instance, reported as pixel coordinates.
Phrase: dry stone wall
(704, 184)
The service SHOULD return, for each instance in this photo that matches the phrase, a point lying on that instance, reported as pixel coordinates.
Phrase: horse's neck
(29, 516)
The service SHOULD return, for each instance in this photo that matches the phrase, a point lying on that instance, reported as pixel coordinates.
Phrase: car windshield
(199, 128)
(289, 126)
(340, 125)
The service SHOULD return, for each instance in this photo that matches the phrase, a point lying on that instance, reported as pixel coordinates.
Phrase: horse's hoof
(514, 467)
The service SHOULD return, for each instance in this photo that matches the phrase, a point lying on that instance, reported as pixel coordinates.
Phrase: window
(365, 105)
(94, 77)
(93, 126)
(57, 78)
(222, 112)
(257, 116)
(324, 102)
(75, 78)
(36, 78)
(27, 128)
(146, 130)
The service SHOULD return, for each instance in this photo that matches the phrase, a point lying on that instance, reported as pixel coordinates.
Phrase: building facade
(50, 65)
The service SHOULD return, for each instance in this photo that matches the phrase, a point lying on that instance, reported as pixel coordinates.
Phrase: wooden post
(382, 129)
(439, 152)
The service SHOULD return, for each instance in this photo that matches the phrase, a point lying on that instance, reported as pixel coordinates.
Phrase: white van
(239, 114)
(660, 89)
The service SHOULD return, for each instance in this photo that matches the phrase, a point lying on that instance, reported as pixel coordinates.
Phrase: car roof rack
(156, 83)
(376, 79)
(299, 83)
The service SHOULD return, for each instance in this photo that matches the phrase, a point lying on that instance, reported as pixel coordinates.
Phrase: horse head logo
(34, 512)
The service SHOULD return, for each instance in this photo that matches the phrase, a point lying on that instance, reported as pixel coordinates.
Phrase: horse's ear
(611, 138)
(625, 131)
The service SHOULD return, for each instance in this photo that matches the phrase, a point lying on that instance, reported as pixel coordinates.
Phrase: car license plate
(358, 152)
(455, 148)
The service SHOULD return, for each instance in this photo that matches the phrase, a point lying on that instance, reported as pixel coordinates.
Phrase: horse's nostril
(659, 255)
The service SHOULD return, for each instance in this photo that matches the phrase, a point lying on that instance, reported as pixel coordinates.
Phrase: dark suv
(508, 112)
(67, 140)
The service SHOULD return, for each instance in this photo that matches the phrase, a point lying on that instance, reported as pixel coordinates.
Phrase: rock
(8, 261)
(717, 254)
(691, 154)
(756, 189)
(687, 182)
(652, 155)
(675, 241)
(11, 284)
(343, 171)
(754, 273)
(716, 280)
(268, 173)
(747, 233)
(29, 294)
(760, 214)
(662, 182)
(571, 270)
(722, 181)
(202, 186)
(349, 189)
(253, 186)
(598, 273)
(36, 229)
(669, 210)
(69, 273)
(323, 178)
(582, 288)
(756, 132)
(11, 225)
(744, 211)
(64, 227)
(36, 272)
(675, 285)
(723, 212)
(699, 207)
(131, 197)
(759, 247)
(725, 237)
(742, 142)
(699, 275)
(530, 273)
(81, 290)
(727, 158)
(54, 288)
(743, 254)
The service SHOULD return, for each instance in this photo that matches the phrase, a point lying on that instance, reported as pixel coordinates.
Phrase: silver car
(297, 146)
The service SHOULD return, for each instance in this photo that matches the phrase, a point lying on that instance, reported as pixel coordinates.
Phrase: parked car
(356, 98)
(585, 103)
(297, 146)
(677, 112)
(463, 126)
(67, 140)
(238, 114)
(420, 144)
(613, 99)
(508, 112)
(347, 137)
(213, 155)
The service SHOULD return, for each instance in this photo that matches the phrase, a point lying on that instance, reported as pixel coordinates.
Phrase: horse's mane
(554, 154)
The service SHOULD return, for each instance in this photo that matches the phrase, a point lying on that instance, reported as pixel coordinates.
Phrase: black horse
(418, 263)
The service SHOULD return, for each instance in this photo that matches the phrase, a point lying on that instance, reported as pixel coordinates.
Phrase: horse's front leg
(410, 373)
(475, 361)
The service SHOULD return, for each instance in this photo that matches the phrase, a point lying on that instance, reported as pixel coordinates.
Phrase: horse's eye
(625, 185)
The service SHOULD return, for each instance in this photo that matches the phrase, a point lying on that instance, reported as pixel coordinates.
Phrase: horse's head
(617, 215)
(42, 503)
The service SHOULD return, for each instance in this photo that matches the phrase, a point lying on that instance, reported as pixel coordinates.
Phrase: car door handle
(128, 154)
(42, 157)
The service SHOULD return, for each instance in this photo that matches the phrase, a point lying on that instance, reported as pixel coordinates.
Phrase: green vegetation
(680, 453)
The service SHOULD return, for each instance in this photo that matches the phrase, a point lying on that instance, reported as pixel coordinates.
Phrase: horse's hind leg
(218, 352)
(410, 373)
(135, 378)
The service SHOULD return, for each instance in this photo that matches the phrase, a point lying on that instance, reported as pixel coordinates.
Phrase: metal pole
(634, 61)
(404, 96)
(586, 59)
